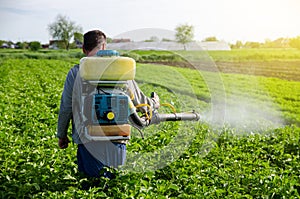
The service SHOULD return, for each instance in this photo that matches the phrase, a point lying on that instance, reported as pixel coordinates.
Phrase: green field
(247, 144)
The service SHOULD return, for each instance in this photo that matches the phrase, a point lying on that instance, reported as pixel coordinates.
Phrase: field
(247, 144)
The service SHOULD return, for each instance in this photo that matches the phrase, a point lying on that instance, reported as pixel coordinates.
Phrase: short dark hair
(92, 39)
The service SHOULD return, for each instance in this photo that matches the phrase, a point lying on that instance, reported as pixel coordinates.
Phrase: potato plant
(215, 163)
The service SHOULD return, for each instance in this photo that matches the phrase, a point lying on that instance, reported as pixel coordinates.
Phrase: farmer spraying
(102, 99)
(116, 149)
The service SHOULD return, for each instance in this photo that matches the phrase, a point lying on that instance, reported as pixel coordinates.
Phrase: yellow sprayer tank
(107, 68)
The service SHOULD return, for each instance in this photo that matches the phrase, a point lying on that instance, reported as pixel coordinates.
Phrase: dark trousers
(93, 156)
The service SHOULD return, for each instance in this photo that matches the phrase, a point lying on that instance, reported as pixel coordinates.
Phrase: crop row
(200, 160)
(281, 97)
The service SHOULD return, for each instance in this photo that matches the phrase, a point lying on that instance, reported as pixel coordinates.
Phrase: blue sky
(229, 20)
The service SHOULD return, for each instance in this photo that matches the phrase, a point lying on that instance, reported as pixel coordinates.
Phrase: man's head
(93, 41)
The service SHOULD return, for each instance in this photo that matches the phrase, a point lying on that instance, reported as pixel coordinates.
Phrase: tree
(34, 45)
(277, 43)
(184, 34)
(78, 36)
(2, 42)
(78, 40)
(22, 45)
(63, 29)
(238, 44)
(252, 44)
(295, 42)
(109, 40)
(166, 40)
(213, 38)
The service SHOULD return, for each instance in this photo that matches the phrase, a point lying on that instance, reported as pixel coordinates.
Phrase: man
(111, 154)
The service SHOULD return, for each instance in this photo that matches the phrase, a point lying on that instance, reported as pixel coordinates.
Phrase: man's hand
(63, 142)
(155, 99)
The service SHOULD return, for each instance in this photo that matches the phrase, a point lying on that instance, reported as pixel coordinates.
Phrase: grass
(281, 63)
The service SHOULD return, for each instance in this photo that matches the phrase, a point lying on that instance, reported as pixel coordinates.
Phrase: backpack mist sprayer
(110, 106)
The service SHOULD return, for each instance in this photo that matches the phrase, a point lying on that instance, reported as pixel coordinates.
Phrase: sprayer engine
(110, 109)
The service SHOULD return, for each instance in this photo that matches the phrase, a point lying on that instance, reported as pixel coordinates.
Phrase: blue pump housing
(106, 105)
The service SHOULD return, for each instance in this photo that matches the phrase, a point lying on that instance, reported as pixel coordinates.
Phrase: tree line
(63, 30)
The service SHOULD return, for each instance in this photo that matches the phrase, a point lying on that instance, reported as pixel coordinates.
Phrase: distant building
(120, 40)
(56, 44)
(45, 46)
(9, 45)
(4, 45)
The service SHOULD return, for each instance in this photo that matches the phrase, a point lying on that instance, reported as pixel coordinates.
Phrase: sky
(227, 20)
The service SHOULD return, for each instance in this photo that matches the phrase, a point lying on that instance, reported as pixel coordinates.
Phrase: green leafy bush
(34, 45)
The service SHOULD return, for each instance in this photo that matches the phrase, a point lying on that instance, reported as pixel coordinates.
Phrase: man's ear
(85, 51)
